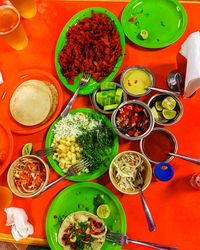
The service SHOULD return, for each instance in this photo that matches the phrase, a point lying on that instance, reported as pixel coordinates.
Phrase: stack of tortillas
(33, 102)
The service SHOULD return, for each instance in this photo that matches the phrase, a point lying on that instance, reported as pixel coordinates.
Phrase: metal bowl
(178, 109)
(98, 107)
(141, 68)
(168, 134)
(127, 137)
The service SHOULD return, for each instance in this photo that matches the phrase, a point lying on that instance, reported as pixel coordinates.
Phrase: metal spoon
(176, 93)
(139, 183)
(186, 158)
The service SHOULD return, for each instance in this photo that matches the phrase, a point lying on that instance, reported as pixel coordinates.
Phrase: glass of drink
(11, 29)
(6, 197)
(195, 181)
(26, 8)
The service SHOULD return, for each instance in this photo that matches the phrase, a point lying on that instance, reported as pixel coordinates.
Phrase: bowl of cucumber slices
(167, 109)
(108, 96)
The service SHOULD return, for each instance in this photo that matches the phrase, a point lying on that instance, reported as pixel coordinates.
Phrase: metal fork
(84, 80)
(123, 239)
(73, 170)
(44, 152)
(138, 182)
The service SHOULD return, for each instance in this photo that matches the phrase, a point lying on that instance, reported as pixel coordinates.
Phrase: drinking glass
(11, 30)
(6, 197)
(26, 8)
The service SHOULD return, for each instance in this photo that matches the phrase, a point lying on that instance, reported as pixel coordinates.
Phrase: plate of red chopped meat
(93, 42)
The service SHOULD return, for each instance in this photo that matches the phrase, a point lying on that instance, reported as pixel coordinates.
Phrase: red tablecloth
(175, 205)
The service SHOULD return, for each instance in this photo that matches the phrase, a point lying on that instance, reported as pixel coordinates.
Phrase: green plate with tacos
(83, 197)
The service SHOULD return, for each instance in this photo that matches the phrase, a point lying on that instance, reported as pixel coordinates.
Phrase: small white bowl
(148, 172)
(10, 179)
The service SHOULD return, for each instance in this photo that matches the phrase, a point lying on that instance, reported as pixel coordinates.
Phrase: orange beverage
(11, 29)
(26, 8)
(6, 197)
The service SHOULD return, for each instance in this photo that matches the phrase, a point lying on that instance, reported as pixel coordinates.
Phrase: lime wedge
(103, 211)
(155, 113)
(144, 34)
(169, 114)
(158, 105)
(169, 103)
(27, 148)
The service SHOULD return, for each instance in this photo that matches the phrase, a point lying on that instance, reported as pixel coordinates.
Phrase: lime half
(159, 106)
(155, 113)
(27, 148)
(169, 103)
(144, 34)
(169, 114)
(103, 211)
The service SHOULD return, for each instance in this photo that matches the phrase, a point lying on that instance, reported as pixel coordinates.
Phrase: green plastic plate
(80, 197)
(101, 170)
(92, 84)
(165, 21)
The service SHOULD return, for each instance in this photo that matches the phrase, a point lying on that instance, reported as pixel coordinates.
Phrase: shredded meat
(93, 46)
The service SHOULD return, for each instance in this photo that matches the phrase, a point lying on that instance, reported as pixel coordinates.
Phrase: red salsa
(132, 119)
(157, 145)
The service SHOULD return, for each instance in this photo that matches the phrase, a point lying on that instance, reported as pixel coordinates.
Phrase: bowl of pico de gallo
(27, 176)
(133, 120)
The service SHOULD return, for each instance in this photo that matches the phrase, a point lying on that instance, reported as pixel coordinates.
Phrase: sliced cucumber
(118, 95)
(108, 85)
(110, 107)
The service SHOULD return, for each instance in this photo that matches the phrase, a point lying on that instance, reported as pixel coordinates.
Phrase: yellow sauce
(136, 81)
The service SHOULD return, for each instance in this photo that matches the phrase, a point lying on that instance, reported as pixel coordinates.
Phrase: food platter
(17, 80)
(80, 197)
(92, 84)
(162, 29)
(83, 176)
(6, 147)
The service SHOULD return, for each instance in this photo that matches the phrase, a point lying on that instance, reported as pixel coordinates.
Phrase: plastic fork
(84, 80)
(44, 152)
(123, 239)
(138, 182)
(73, 170)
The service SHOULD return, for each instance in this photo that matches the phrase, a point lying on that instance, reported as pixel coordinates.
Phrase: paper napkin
(18, 219)
(191, 51)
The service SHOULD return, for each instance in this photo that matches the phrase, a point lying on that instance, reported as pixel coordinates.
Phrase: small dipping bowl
(10, 177)
(118, 112)
(146, 164)
(158, 144)
(136, 79)
(161, 120)
(99, 107)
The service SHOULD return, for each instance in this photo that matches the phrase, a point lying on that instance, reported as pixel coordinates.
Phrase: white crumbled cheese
(73, 125)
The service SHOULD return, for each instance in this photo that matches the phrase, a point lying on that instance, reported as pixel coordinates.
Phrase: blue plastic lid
(163, 171)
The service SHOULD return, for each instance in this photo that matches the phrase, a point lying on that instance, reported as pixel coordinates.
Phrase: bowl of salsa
(135, 81)
(158, 144)
(27, 176)
(132, 120)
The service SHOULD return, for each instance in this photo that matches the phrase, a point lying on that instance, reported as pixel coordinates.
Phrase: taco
(82, 230)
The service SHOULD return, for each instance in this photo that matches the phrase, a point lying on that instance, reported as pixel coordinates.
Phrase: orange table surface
(175, 205)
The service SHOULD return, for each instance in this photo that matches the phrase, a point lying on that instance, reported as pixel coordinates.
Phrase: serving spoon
(139, 183)
(176, 93)
(186, 158)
